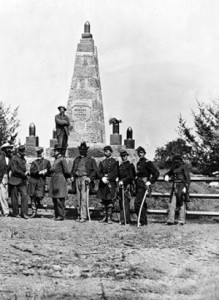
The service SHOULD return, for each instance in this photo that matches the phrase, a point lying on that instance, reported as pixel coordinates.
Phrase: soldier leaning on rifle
(126, 178)
(179, 195)
(82, 174)
(58, 186)
(107, 172)
(39, 169)
(5, 156)
(147, 174)
(18, 183)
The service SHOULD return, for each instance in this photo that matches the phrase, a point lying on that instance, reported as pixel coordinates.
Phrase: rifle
(142, 203)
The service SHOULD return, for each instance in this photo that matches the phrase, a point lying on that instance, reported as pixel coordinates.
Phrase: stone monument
(85, 107)
(129, 142)
(32, 141)
(115, 138)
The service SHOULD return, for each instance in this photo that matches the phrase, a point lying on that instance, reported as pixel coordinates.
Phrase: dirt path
(43, 259)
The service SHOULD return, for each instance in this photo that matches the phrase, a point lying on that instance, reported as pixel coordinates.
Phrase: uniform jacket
(62, 124)
(18, 169)
(108, 167)
(181, 178)
(59, 172)
(90, 164)
(146, 168)
(35, 178)
(126, 172)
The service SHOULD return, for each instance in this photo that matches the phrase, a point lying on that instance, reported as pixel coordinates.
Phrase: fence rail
(167, 195)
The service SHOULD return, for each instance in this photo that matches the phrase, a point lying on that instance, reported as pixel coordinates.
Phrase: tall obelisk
(85, 106)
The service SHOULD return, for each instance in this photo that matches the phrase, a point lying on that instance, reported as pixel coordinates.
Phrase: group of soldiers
(122, 180)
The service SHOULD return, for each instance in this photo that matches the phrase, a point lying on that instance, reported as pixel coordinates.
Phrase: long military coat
(37, 182)
(18, 169)
(108, 167)
(59, 173)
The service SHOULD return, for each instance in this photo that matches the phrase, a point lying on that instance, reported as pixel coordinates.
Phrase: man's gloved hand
(184, 190)
(87, 180)
(166, 178)
(105, 180)
(121, 183)
(43, 172)
(148, 183)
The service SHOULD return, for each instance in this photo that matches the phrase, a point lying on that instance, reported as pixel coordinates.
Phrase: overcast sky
(155, 58)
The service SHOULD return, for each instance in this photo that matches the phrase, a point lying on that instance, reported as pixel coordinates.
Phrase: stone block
(32, 141)
(115, 139)
(130, 144)
(52, 143)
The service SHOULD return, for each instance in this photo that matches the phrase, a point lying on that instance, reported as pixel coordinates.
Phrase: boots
(104, 220)
(110, 213)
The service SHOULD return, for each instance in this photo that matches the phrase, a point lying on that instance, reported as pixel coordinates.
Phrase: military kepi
(108, 148)
(140, 149)
(123, 153)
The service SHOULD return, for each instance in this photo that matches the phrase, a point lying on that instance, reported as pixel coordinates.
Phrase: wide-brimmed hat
(21, 148)
(39, 150)
(108, 148)
(123, 153)
(62, 107)
(83, 146)
(57, 147)
(140, 149)
(6, 145)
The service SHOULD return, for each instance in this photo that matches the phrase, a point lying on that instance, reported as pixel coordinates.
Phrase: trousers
(172, 210)
(59, 207)
(21, 189)
(4, 195)
(82, 191)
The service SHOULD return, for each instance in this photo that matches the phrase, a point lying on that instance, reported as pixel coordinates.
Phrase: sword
(87, 198)
(123, 203)
(142, 203)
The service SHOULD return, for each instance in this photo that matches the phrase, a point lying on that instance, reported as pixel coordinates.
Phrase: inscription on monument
(80, 112)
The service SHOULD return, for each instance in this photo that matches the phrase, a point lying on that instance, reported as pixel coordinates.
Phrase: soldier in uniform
(126, 178)
(147, 174)
(83, 173)
(5, 156)
(39, 169)
(18, 183)
(58, 186)
(179, 195)
(108, 171)
(62, 124)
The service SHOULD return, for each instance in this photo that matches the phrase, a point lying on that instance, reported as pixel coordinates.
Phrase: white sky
(156, 57)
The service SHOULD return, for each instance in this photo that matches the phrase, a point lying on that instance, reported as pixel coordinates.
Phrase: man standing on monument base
(62, 124)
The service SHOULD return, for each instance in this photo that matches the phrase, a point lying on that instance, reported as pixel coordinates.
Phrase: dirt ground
(43, 259)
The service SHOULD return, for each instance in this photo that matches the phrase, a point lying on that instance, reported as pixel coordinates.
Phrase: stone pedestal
(130, 144)
(115, 139)
(52, 143)
(85, 107)
(31, 143)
